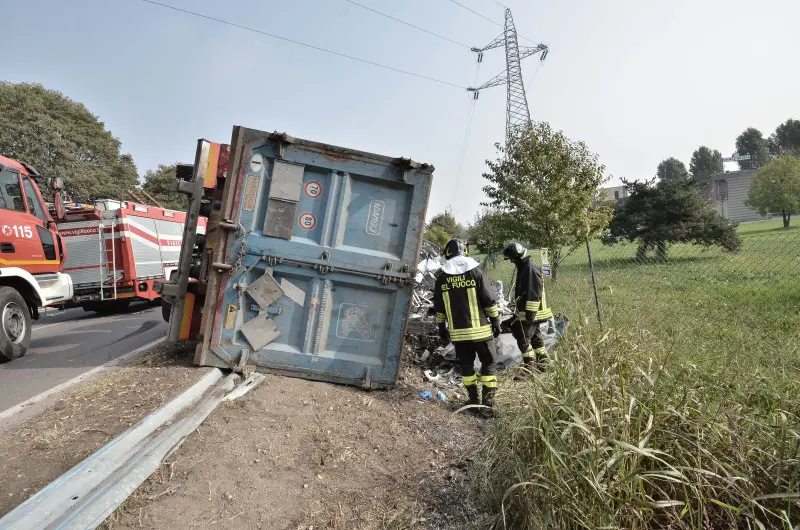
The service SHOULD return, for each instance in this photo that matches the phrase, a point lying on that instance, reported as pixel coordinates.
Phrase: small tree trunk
(641, 252)
(661, 251)
(786, 219)
(555, 260)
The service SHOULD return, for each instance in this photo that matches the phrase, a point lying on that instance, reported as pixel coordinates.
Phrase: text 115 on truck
(31, 256)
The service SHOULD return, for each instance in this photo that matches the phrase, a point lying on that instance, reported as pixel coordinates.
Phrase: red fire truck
(117, 250)
(31, 256)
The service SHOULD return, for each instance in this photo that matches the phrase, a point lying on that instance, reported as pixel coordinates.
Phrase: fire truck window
(34, 204)
(10, 192)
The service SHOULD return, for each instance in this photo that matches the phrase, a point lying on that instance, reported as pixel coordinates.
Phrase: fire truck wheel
(15, 324)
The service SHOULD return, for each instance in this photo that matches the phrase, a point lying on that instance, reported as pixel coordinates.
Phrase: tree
(447, 222)
(486, 232)
(671, 169)
(671, 211)
(786, 138)
(705, 163)
(776, 188)
(437, 236)
(61, 138)
(542, 189)
(751, 142)
(156, 183)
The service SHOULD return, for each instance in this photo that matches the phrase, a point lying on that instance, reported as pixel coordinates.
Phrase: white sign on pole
(546, 271)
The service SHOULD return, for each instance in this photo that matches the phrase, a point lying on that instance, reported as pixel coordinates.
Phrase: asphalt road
(72, 342)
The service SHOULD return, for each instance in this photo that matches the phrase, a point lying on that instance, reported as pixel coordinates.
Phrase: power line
(390, 17)
(527, 88)
(484, 17)
(304, 44)
(468, 129)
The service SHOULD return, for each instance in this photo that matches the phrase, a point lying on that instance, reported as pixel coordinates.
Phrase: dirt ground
(43, 448)
(304, 455)
(292, 454)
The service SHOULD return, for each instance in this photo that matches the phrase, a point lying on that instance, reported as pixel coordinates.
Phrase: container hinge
(272, 260)
(404, 165)
(323, 269)
(282, 139)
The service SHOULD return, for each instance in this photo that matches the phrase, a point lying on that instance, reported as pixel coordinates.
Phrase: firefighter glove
(495, 326)
(444, 334)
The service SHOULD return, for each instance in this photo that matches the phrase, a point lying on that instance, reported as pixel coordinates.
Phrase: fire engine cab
(31, 256)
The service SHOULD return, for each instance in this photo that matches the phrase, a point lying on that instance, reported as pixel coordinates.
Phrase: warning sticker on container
(230, 316)
(307, 221)
(312, 189)
(250, 192)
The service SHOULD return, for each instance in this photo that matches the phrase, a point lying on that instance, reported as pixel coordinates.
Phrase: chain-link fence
(706, 297)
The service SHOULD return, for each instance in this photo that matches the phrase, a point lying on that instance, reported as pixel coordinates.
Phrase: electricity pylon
(517, 113)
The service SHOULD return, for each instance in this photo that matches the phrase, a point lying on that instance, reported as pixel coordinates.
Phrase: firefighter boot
(541, 359)
(473, 395)
(473, 399)
(489, 388)
(528, 364)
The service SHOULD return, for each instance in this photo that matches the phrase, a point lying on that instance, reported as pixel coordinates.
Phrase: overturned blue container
(313, 258)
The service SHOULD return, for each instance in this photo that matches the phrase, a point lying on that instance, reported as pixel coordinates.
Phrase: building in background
(727, 194)
(615, 193)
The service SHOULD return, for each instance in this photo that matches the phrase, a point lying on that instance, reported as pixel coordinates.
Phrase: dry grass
(623, 432)
(41, 449)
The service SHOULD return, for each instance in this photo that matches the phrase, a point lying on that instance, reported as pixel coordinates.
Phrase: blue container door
(322, 262)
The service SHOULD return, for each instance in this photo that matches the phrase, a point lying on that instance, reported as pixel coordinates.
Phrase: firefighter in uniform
(532, 308)
(466, 311)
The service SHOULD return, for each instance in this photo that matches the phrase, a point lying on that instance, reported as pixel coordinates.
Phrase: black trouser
(528, 334)
(465, 355)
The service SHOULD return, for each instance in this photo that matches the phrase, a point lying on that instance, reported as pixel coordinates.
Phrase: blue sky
(638, 81)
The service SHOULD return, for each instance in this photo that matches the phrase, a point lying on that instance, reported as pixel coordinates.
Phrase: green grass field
(767, 226)
(682, 412)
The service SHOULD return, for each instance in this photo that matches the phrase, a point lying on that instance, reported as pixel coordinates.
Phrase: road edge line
(8, 417)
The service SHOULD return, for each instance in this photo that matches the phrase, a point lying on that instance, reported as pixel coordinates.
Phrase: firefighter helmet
(514, 250)
(455, 247)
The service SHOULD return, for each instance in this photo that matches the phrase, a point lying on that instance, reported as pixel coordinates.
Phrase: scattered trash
(441, 396)
(427, 396)
(448, 353)
(425, 355)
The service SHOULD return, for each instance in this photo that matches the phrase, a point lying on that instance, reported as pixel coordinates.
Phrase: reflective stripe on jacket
(529, 292)
(465, 302)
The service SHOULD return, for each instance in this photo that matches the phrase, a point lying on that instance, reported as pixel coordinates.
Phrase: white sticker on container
(256, 161)
(375, 217)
